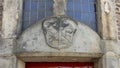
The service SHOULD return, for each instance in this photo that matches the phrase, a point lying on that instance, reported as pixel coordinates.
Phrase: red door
(60, 65)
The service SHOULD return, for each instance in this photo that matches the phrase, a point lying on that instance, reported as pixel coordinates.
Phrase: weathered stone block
(4, 63)
(11, 18)
(117, 48)
(84, 40)
(111, 60)
(1, 9)
(6, 46)
(109, 45)
(59, 7)
(20, 64)
(107, 26)
(8, 62)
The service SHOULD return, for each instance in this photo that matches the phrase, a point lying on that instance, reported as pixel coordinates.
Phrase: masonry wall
(1, 8)
(118, 17)
(12, 11)
(117, 14)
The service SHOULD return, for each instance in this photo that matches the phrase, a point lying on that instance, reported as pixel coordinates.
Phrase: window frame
(29, 18)
(106, 22)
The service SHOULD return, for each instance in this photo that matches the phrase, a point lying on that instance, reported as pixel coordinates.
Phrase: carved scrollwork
(59, 31)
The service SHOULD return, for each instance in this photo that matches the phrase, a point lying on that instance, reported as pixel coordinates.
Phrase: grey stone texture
(110, 60)
(59, 7)
(1, 9)
(33, 40)
(11, 18)
(59, 31)
(6, 46)
(7, 62)
(87, 45)
(107, 19)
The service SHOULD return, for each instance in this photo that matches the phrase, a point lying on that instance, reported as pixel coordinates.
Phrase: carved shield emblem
(59, 32)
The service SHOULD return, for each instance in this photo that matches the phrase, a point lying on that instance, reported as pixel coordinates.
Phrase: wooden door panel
(48, 67)
(60, 65)
(84, 67)
(42, 67)
(64, 67)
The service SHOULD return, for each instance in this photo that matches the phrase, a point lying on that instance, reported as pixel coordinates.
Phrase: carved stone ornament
(59, 31)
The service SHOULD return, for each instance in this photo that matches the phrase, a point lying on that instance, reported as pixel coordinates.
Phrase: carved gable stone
(59, 32)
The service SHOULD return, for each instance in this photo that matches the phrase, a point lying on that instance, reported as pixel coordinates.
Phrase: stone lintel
(59, 57)
(73, 54)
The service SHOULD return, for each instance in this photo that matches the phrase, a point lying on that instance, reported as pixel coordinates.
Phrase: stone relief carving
(59, 31)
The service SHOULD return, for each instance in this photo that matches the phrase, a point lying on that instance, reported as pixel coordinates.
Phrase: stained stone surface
(111, 60)
(59, 7)
(6, 46)
(59, 32)
(84, 40)
(8, 62)
(4, 63)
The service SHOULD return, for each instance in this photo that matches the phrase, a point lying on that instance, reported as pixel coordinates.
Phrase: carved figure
(59, 32)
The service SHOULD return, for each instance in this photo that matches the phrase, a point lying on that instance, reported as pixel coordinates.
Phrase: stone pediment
(59, 34)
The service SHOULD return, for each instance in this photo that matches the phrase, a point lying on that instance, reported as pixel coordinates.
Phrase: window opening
(81, 10)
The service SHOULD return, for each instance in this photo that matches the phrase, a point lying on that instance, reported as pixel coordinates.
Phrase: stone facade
(1, 8)
(102, 48)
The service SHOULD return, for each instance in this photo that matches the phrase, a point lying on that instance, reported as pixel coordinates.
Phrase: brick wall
(118, 16)
(1, 8)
